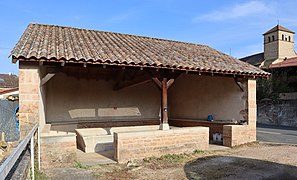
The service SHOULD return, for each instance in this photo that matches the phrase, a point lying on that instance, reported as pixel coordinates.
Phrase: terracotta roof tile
(51, 42)
(9, 81)
(286, 63)
(278, 27)
(255, 59)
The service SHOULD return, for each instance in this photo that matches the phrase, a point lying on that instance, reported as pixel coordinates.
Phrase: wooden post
(164, 124)
(164, 86)
(164, 101)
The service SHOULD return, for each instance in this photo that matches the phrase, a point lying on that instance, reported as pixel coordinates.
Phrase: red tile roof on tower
(286, 63)
(57, 43)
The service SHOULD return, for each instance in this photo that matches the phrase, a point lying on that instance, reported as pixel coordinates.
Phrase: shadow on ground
(230, 167)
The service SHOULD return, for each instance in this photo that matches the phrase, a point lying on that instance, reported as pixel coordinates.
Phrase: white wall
(71, 99)
(196, 97)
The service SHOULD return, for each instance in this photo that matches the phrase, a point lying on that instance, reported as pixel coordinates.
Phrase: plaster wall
(196, 97)
(69, 99)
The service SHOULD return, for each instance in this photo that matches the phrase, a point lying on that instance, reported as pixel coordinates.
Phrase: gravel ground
(253, 161)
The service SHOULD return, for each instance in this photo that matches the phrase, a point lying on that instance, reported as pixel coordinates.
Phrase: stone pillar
(29, 97)
(240, 134)
(252, 103)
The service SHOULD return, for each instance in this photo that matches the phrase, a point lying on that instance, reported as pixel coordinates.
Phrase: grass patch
(39, 175)
(79, 165)
(197, 151)
(246, 145)
(175, 158)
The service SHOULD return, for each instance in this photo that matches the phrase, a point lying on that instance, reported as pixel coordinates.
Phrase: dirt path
(254, 161)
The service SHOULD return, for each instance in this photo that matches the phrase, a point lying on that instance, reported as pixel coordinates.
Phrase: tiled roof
(7, 90)
(255, 59)
(286, 63)
(9, 81)
(278, 27)
(56, 43)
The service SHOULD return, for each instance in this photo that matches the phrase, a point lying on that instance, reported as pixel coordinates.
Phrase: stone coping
(206, 121)
(85, 132)
(161, 132)
(57, 133)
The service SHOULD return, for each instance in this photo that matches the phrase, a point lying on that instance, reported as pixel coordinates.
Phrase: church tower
(278, 45)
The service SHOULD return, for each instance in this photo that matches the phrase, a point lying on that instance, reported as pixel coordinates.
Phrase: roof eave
(185, 69)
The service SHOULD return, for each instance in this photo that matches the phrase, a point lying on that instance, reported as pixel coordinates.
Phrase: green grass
(78, 165)
(39, 175)
(197, 151)
(175, 158)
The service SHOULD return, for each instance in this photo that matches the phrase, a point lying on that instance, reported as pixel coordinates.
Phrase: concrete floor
(91, 159)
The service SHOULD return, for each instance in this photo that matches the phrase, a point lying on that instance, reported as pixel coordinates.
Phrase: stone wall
(234, 135)
(138, 145)
(29, 95)
(57, 150)
(214, 127)
(238, 134)
(282, 112)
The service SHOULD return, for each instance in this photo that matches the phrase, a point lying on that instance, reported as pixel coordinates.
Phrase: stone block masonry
(29, 83)
(238, 134)
(138, 145)
(57, 149)
(234, 135)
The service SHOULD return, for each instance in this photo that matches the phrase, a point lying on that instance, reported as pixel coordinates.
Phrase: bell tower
(278, 45)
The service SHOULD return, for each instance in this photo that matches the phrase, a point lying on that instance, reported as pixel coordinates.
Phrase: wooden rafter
(131, 83)
(46, 78)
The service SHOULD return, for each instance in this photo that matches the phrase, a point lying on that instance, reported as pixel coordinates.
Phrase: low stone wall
(214, 127)
(57, 149)
(101, 139)
(234, 135)
(138, 145)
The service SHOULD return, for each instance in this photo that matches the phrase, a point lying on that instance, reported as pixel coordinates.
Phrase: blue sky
(223, 25)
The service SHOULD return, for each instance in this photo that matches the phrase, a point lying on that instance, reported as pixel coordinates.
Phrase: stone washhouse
(139, 96)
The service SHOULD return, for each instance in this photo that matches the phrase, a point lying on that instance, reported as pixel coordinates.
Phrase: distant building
(280, 59)
(278, 48)
(9, 84)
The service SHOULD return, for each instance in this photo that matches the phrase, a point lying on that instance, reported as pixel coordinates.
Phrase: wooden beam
(47, 78)
(158, 82)
(169, 83)
(235, 80)
(131, 84)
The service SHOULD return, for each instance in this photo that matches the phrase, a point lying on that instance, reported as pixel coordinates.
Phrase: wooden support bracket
(46, 78)
(159, 83)
(169, 83)
(235, 80)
